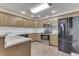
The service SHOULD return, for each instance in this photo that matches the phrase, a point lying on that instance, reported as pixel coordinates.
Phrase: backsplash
(19, 30)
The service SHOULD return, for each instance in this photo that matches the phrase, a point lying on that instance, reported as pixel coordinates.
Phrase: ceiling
(19, 7)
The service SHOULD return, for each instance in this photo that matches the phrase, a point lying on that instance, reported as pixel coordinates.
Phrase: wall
(75, 32)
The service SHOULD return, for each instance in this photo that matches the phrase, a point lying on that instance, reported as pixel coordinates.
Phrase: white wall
(76, 34)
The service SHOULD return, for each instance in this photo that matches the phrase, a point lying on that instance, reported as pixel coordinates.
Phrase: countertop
(11, 41)
(2, 35)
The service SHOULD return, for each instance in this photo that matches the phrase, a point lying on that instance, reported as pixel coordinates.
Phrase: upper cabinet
(28, 23)
(38, 24)
(25, 23)
(13, 21)
(54, 22)
(4, 19)
(20, 22)
(32, 24)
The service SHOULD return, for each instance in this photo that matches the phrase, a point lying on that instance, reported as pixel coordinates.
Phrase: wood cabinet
(20, 22)
(38, 24)
(13, 21)
(4, 19)
(31, 36)
(54, 22)
(54, 40)
(25, 23)
(21, 49)
(31, 24)
(35, 36)
(28, 23)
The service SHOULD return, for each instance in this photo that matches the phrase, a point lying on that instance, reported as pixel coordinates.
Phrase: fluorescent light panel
(39, 8)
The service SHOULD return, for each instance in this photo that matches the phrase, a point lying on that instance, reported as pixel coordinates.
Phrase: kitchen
(18, 31)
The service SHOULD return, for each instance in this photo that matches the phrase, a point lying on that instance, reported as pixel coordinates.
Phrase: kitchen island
(16, 46)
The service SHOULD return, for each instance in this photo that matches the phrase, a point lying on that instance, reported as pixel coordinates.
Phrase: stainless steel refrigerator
(64, 35)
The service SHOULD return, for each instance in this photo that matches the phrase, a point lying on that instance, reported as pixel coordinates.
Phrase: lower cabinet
(21, 49)
(35, 36)
(31, 35)
(54, 40)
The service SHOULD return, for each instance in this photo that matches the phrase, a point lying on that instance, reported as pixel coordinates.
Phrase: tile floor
(45, 42)
(39, 49)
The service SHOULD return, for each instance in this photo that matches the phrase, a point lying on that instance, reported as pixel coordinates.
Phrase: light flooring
(39, 49)
(45, 42)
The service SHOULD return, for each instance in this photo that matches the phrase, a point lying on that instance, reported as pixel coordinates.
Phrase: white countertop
(2, 34)
(11, 41)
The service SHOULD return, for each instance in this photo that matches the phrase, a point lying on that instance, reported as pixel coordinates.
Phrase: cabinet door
(54, 22)
(38, 24)
(54, 40)
(31, 24)
(13, 21)
(31, 36)
(35, 24)
(20, 22)
(35, 36)
(41, 23)
(4, 19)
(1, 19)
(26, 23)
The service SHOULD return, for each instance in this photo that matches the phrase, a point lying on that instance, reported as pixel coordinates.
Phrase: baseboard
(53, 45)
(35, 41)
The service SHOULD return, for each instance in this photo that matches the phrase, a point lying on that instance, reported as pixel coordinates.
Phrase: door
(65, 42)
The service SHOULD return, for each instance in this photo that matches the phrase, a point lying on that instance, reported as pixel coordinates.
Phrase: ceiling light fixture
(53, 11)
(32, 15)
(47, 16)
(23, 12)
(39, 8)
(39, 16)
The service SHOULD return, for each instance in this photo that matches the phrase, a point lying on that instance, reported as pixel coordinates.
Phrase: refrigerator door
(64, 38)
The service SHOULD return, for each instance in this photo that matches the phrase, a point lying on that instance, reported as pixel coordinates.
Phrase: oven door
(45, 37)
